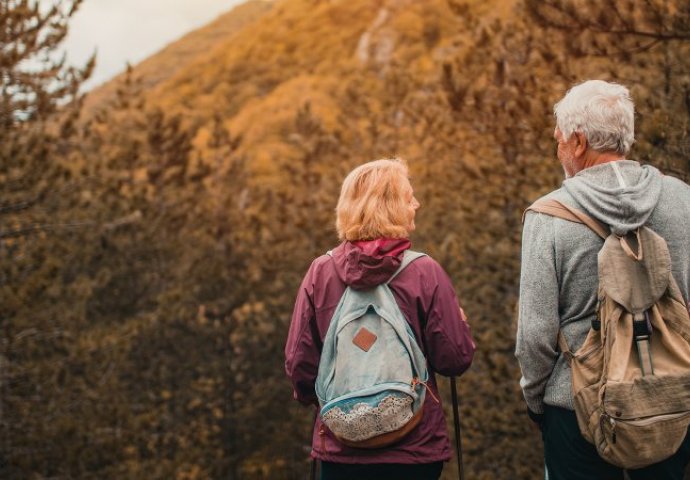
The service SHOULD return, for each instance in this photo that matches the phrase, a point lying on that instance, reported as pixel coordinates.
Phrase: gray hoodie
(558, 280)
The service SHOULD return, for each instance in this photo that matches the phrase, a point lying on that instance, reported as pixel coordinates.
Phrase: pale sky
(130, 30)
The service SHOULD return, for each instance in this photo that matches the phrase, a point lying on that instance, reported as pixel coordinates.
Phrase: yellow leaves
(254, 324)
(269, 119)
(202, 138)
(191, 472)
(426, 66)
(140, 175)
(262, 467)
(130, 451)
(267, 153)
(194, 403)
(86, 195)
(248, 311)
(201, 315)
(126, 190)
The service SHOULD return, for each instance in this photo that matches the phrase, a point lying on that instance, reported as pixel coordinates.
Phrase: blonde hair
(372, 202)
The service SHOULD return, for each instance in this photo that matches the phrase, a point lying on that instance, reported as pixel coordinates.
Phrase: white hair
(602, 111)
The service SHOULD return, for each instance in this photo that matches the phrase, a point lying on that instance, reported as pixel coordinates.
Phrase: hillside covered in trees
(153, 234)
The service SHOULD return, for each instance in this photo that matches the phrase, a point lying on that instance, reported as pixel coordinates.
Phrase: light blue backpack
(372, 375)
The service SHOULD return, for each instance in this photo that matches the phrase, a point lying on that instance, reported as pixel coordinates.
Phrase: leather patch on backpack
(364, 339)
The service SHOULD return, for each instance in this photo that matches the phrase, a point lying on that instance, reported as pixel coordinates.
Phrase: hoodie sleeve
(447, 334)
(303, 346)
(538, 319)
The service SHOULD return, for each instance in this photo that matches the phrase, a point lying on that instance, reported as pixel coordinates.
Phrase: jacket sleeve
(538, 319)
(450, 347)
(303, 346)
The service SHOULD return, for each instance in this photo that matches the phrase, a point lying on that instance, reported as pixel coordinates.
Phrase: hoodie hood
(621, 194)
(368, 263)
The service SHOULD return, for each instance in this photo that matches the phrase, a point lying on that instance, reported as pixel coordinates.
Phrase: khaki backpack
(631, 377)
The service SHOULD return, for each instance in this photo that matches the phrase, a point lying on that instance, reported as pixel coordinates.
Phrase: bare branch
(37, 228)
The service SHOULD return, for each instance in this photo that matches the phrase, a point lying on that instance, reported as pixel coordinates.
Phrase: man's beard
(566, 162)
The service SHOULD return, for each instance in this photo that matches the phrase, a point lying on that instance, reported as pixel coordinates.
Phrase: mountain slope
(261, 56)
(349, 66)
(179, 54)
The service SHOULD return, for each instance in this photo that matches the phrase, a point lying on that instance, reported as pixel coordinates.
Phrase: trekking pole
(312, 469)
(456, 421)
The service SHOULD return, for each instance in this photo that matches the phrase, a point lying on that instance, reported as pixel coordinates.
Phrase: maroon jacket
(425, 296)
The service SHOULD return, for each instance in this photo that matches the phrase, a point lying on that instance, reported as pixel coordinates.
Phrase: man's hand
(537, 418)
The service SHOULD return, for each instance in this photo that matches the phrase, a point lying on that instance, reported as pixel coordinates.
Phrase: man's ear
(580, 144)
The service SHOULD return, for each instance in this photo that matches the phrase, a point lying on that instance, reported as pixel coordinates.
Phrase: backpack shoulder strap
(408, 257)
(559, 209)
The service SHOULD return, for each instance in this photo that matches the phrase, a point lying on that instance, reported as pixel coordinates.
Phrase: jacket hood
(621, 194)
(368, 263)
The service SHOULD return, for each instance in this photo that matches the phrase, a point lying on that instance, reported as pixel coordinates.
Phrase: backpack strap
(559, 209)
(408, 257)
(563, 346)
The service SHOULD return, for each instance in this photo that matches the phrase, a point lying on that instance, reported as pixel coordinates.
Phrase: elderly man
(558, 285)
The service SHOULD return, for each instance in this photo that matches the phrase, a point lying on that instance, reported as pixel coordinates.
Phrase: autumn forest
(154, 231)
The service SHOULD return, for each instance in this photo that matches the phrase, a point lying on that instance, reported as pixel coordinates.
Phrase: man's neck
(594, 158)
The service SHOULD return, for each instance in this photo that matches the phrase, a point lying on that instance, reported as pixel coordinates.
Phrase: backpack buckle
(642, 325)
(642, 331)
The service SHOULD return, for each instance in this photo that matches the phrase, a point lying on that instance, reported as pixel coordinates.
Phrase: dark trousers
(570, 457)
(381, 471)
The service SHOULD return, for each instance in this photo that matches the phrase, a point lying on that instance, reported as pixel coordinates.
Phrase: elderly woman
(375, 215)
